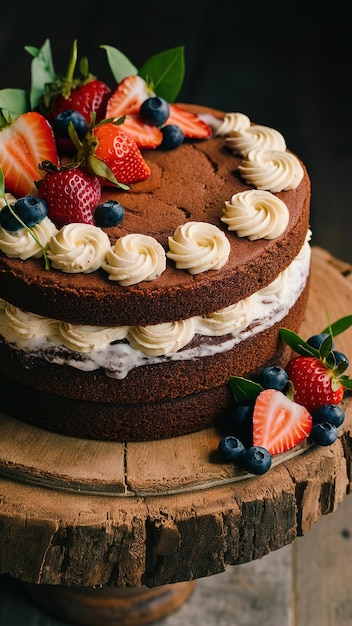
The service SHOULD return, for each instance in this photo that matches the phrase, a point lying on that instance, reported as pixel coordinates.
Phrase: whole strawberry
(86, 94)
(314, 383)
(71, 193)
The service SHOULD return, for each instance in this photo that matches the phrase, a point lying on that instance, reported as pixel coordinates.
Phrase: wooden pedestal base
(108, 605)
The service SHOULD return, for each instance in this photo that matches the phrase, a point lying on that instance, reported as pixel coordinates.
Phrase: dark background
(286, 65)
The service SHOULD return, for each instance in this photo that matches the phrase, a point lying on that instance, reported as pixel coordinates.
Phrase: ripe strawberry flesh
(145, 136)
(90, 97)
(193, 127)
(72, 195)
(128, 96)
(23, 145)
(313, 383)
(279, 424)
(120, 152)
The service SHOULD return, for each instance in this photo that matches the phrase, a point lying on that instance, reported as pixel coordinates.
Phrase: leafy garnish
(119, 64)
(166, 72)
(339, 326)
(14, 102)
(30, 230)
(244, 390)
(42, 72)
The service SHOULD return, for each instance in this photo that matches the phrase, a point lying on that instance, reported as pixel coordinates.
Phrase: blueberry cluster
(155, 111)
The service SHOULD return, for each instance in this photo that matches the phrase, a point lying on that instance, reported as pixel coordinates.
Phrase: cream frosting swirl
(256, 137)
(87, 338)
(256, 214)
(273, 170)
(232, 122)
(230, 320)
(78, 248)
(21, 244)
(23, 325)
(161, 339)
(198, 247)
(135, 258)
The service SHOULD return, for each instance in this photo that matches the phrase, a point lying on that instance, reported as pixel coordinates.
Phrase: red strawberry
(128, 96)
(315, 384)
(91, 96)
(24, 143)
(279, 423)
(71, 193)
(145, 136)
(118, 150)
(193, 127)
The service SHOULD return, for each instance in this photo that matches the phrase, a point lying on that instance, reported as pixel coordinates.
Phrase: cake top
(171, 197)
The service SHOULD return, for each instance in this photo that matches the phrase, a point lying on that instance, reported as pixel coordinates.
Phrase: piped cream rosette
(78, 248)
(232, 122)
(272, 170)
(256, 137)
(256, 214)
(198, 247)
(21, 244)
(134, 258)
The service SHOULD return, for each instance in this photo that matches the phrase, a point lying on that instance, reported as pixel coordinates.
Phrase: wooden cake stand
(115, 533)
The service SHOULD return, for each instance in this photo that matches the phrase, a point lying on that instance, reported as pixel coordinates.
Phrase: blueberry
(316, 340)
(331, 413)
(30, 209)
(324, 434)
(256, 460)
(273, 377)
(155, 111)
(61, 122)
(238, 421)
(109, 213)
(231, 449)
(340, 358)
(173, 136)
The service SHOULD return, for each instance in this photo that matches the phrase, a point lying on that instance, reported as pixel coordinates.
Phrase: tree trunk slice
(84, 513)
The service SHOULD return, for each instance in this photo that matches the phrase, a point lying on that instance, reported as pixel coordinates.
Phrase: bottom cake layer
(142, 421)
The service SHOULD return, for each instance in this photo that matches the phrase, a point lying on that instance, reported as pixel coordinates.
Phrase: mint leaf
(244, 390)
(14, 102)
(339, 326)
(42, 71)
(119, 64)
(297, 343)
(165, 71)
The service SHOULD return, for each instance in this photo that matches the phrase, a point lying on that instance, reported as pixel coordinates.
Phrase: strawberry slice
(128, 97)
(193, 127)
(279, 423)
(145, 136)
(24, 143)
(118, 150)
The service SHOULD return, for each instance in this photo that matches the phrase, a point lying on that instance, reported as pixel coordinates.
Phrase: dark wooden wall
(287, 65)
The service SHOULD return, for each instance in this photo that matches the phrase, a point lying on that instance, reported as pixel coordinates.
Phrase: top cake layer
(189, 184)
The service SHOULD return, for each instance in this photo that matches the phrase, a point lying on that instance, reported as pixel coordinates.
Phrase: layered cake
(131, 331)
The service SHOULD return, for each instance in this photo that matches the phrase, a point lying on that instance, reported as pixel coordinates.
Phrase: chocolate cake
(192, 286)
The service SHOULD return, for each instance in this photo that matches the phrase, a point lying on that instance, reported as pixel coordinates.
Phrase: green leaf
(297, 343)
(339, 326)
(244, 390)
(14, 102)
(42, 71)
(166, 72)
(119, 64)
(346, 382)
(2, 183)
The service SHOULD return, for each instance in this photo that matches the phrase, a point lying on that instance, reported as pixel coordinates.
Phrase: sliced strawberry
(279, 423)
(145, 136)
(192, 126)
(118, 150)
(128, 97)
(24, 143)
(314, 383)
(71, 194)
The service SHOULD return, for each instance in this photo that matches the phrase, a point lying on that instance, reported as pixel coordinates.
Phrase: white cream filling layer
(118, 350)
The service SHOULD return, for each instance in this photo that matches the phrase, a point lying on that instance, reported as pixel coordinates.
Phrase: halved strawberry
(145, 136)
(193, 127)
(24, 143)
(118, 150)
(279, 423)
(128, 96)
